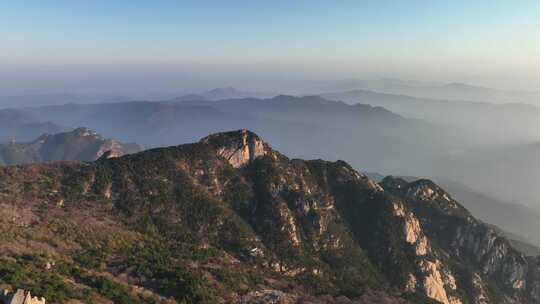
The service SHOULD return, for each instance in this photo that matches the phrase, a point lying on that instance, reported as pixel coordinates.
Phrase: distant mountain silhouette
(433, 90)
(80, 144)
(297, 125)
(480, 120)
(223, 93)
(19, 125)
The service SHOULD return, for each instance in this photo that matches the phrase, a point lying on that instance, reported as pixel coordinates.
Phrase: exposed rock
(434, 284)
(411, 284)
(238, 147)
(19, 297)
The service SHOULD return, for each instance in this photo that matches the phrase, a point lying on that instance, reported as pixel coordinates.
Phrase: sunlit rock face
(20, 297)
(428, 210)
(412, 230)
(433, 278)
(238, 147)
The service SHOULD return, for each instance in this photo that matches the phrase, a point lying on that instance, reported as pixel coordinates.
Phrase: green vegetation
(112, 290)
(182, 223)
(30, 273)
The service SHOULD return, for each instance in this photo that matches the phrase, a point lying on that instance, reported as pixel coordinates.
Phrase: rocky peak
(85, 132)
(239, 147)
(424, 191)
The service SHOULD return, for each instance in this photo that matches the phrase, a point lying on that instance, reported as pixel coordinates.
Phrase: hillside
(229, 219)
(79, 144)
(511, 220)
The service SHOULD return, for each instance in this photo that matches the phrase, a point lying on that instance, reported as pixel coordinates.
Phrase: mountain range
(446, 140)
(502, 145)
(434, 90)
(479, 119)
(297, 126)
(230, 219)
(19, 125)
(510, 170)
(223, 93)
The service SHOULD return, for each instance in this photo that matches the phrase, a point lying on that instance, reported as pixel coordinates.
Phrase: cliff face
(79, 144)
(230, 219)
(239, 148)
(20, 297)
(491, 270)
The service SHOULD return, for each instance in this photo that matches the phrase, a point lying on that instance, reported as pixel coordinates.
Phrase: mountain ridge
(222, 93)
(437, 90)
(231, 209)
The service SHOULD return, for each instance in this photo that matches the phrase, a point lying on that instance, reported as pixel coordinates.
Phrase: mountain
(223, 93)
(511, 217)
(517, 223)
(370, 137)
(435, 90)
(20, 125)
(312, 110)
(361, 133)
(479, 119)
(79, 144)
(33, 100)
(500, 150)
(296, 125)
(230, 219)
(504, 172)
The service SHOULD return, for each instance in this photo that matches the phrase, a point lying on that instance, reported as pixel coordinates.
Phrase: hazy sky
(104, 45)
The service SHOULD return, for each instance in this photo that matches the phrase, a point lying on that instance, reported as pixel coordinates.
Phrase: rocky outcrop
(432, 277)
(19, 297)
(486, 254)
(239, 148)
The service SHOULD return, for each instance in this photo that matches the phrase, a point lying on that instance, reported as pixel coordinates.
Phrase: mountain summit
(238, 147)
(228, 219)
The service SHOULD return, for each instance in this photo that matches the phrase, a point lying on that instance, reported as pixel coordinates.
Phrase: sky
(109, 46)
